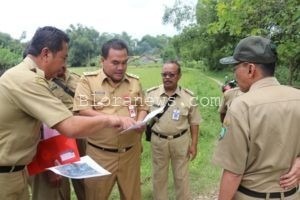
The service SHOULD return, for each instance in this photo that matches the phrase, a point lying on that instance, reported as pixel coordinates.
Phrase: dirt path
(217, 81)
(213, 195)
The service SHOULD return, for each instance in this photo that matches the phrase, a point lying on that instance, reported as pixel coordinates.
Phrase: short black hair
(25, 52)
(176, 63)
(49, 37)
(115, 43)
(268, 69)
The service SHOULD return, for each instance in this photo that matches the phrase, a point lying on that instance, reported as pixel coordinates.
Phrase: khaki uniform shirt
(180, 115)
(25, 101)
(261, 137)
(71, 82)
(228, 97)
(95, 92)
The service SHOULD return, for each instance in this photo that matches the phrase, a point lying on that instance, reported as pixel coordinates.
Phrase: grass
(204, 177)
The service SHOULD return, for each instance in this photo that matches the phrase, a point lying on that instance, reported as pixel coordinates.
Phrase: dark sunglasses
(170, 75)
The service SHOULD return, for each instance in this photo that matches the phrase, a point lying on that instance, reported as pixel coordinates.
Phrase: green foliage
(181, 14)
(83, 45)
(10, 51)
(152, 45)
(8, 59)
(13, 45)
(222, 23)
(277, 19)
(169, 53)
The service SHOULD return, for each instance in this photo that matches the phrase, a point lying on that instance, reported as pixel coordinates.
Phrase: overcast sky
(136, 17)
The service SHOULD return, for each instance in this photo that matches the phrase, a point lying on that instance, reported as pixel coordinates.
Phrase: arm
(229, 185)
(89, 112)
(193, 147)
(292, 178)
(142, 114)
(82, 126)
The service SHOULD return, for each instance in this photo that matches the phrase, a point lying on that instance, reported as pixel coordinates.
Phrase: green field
(204, 177)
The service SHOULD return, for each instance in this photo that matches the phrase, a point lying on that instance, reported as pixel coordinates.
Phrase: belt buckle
(123, 150)
(170, 137)
(12, 168)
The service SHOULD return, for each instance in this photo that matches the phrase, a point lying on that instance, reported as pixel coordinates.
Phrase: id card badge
(176, 114)
(132, 112)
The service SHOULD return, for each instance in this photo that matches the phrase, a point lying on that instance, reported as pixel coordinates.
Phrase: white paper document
(85, 168)
(146, 119)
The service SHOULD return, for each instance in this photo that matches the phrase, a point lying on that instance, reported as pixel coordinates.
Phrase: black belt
(263, 195)
(121, 150)
(7, 169)
(170, 136)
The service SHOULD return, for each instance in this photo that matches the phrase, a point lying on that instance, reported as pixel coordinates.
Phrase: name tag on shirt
(132, 112)
(176, 114)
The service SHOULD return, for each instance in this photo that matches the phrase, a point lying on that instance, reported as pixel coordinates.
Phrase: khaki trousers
(125, 169)
(41, 188)
(78, 184)
(13, 186)
(176, 151)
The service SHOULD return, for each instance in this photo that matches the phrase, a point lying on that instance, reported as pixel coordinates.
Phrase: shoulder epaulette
(151, 89)
(132, 75)
(188, 91)
(94, 73)
(74, 74)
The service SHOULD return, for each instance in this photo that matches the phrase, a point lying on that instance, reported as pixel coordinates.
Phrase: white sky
(136, 17)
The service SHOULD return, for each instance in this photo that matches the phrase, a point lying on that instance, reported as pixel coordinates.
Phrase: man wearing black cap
(260, 137)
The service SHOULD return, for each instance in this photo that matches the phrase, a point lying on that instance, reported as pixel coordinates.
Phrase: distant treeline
(219, 25)
(85, 44)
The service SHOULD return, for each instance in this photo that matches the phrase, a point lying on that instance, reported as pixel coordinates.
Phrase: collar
(162, 91)
(265, 82)
(32, 66)
(103, 77)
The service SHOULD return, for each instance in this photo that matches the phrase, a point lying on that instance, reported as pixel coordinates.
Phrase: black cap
(253, 49)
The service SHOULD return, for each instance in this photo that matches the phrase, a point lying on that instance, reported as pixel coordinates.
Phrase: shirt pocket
(100, 101)
(184, 112)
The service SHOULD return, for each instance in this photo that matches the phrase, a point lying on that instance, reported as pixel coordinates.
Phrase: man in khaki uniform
(261, 136)
(48, 185)
(175, 135)
(228, 97)
(113, 92)
(26, 101)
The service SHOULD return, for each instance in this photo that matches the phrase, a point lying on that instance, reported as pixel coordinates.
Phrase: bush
(8, 59)
(195, 65)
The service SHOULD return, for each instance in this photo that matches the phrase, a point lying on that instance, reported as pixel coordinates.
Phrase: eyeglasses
(170, 75)
(237, 65)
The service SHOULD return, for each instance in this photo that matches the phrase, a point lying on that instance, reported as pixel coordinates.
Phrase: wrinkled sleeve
(232, 148)
(83, 98)
(35, 98)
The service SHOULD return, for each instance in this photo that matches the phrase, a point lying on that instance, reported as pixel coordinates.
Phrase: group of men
(258, 147)
(41, 92)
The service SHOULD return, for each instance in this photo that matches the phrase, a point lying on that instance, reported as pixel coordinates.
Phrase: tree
(84, 45)
(151, 45)
(180, 15)
(10, 51)
(276, 19)
(222, 23)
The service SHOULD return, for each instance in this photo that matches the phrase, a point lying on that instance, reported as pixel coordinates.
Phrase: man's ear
(45, 53)
(251, 69)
